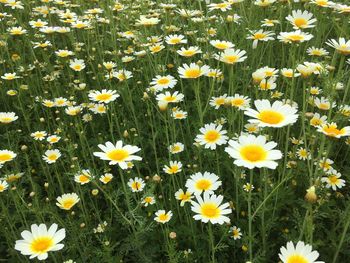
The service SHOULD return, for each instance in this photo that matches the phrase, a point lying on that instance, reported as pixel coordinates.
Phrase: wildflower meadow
(175, 131)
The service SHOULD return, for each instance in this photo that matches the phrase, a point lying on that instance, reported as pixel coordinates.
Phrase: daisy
(163, 82)
(260, 35)
(3, 186)
(51, 156)
(231, 56)
(318, 52)
(300, 253)
(264, 3)
(6, 156)
(179, 114)
(83, 177)
(156, 48)
(176, 148)
(295, 36)
(103, 96)
(206, 182)
(252, 128)
(217, 102)
(17, 31)
(221, 44)
(192, 71)
(145, 21)
(324, 103)
(189, 52)
(67, 201)
(175, 39)
(239, 101)
(106, 178)
(53, 139)
(118, 154)
(136, 184)
(40, 240)
(303, 154)
(148, 200)
(173, 168)
(276, 115)
(7, 117)
(289, 73)
(77, 64)
(162, 216)
(248, 187)
(331, 130)
(268, 84)
(39, 135)
(109, 65)
(342, 45)
(121, 75)
(210, 209)
(333, 180)
(170, 98)
(322, 3)
(301, 20)
(235, 232)
(63, 53)
(325, 164)
(211, 136)
(184, 197)
(224, 6)
(269, 22)
(251, 151)
(10, 76)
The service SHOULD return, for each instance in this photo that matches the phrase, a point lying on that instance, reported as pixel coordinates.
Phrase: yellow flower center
(221, 45)
(212, 136)
(231, 59)
(332, 130)
(295, 38)
(210, 210)
(333, 179)
(297, 259)
(173, 169)
(192, 73)
(188, 53)
(4, 157)
(203, 184)
(148, 199)
(136, 185)
(174, 40)
(270, 117)
(83, 178)
(41, 244)
(52, 157)
(163, 81)
(237, 102)
(253, 153)
(67, 204)
(118, 155)
(103, 96)
(259, 36)
(163, 217)
(300, 22)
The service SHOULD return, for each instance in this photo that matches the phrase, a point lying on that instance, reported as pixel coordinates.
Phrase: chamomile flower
(77, 64)
(342, 45)
(235, 232)
(231, 56)
(10, 76)
(175, 39)
(276, 115)
(51, 156)
(106, 178)
(136, 184)
(3, 186)
(83, 177)
(7, 117)
(217, 102)
(148, 200)
(324, 103)
(40, 240)
(184, 197)
(206, 182)
(176, 148)
(317, 52)
(301, 20)
(260, 35)
(238, 101)
(221, 45)
(103, 96)
(300, 253)
(163, 82)
(39, 135)
(118, 154)
(211, 136)
(67, 201)
(53, 139)
(189, 52)
(162, 216)
(63, 53)
(250, 151)
(332, 179)
(192, 71)
(332, 130)
(211, 209)
(167, 97)
(173, 168)
(294, 37)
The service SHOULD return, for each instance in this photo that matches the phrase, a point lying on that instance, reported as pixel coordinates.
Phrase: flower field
(175, 131)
